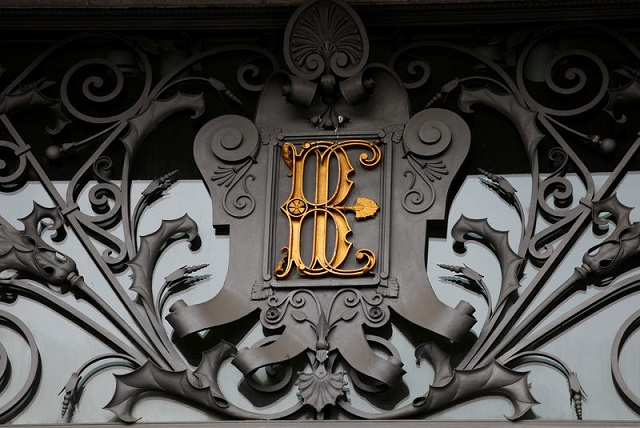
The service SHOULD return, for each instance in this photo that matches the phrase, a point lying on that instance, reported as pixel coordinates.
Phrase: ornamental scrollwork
(329, 185)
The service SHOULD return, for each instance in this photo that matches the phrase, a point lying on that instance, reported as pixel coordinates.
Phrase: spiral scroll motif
(426, 138)
(12, 167)
(373, 309)
(414, 199)
(234, 142)
(233, 138)
(415, 74)
(575, 80)
(19, 399)
(252, 71)
(106, 200)
(278, 307)
(103, 87)
(626, 330)
(105, 197)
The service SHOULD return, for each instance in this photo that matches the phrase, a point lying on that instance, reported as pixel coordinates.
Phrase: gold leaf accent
(332, 188)
(365, 208)
(288, 151)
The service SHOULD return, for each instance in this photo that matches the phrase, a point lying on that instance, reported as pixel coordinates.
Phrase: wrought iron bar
(488, 350)
(163, 358)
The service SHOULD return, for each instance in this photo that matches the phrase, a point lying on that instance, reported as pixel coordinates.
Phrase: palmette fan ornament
(319, 389)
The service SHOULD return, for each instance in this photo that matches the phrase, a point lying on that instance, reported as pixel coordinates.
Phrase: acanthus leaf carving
(156, 111)
(199, 387)
(151, 245)
(28, 254)
(498, 242)
(492, 379)
(508, 104)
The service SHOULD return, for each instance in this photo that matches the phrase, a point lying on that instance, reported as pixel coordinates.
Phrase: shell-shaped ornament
(320, 389)
(323, 38)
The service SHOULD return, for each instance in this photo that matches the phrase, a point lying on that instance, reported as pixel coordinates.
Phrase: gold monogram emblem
(326, 208)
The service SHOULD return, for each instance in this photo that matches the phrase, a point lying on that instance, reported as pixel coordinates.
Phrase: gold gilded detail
(326, 207)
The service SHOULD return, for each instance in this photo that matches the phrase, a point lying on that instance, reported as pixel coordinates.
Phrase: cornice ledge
(109, 5)
(197, 6)
(259, 15)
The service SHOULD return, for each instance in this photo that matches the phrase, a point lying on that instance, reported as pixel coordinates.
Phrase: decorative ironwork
(329, 322)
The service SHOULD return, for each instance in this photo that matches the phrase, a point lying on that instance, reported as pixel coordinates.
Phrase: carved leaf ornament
(328, 196)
